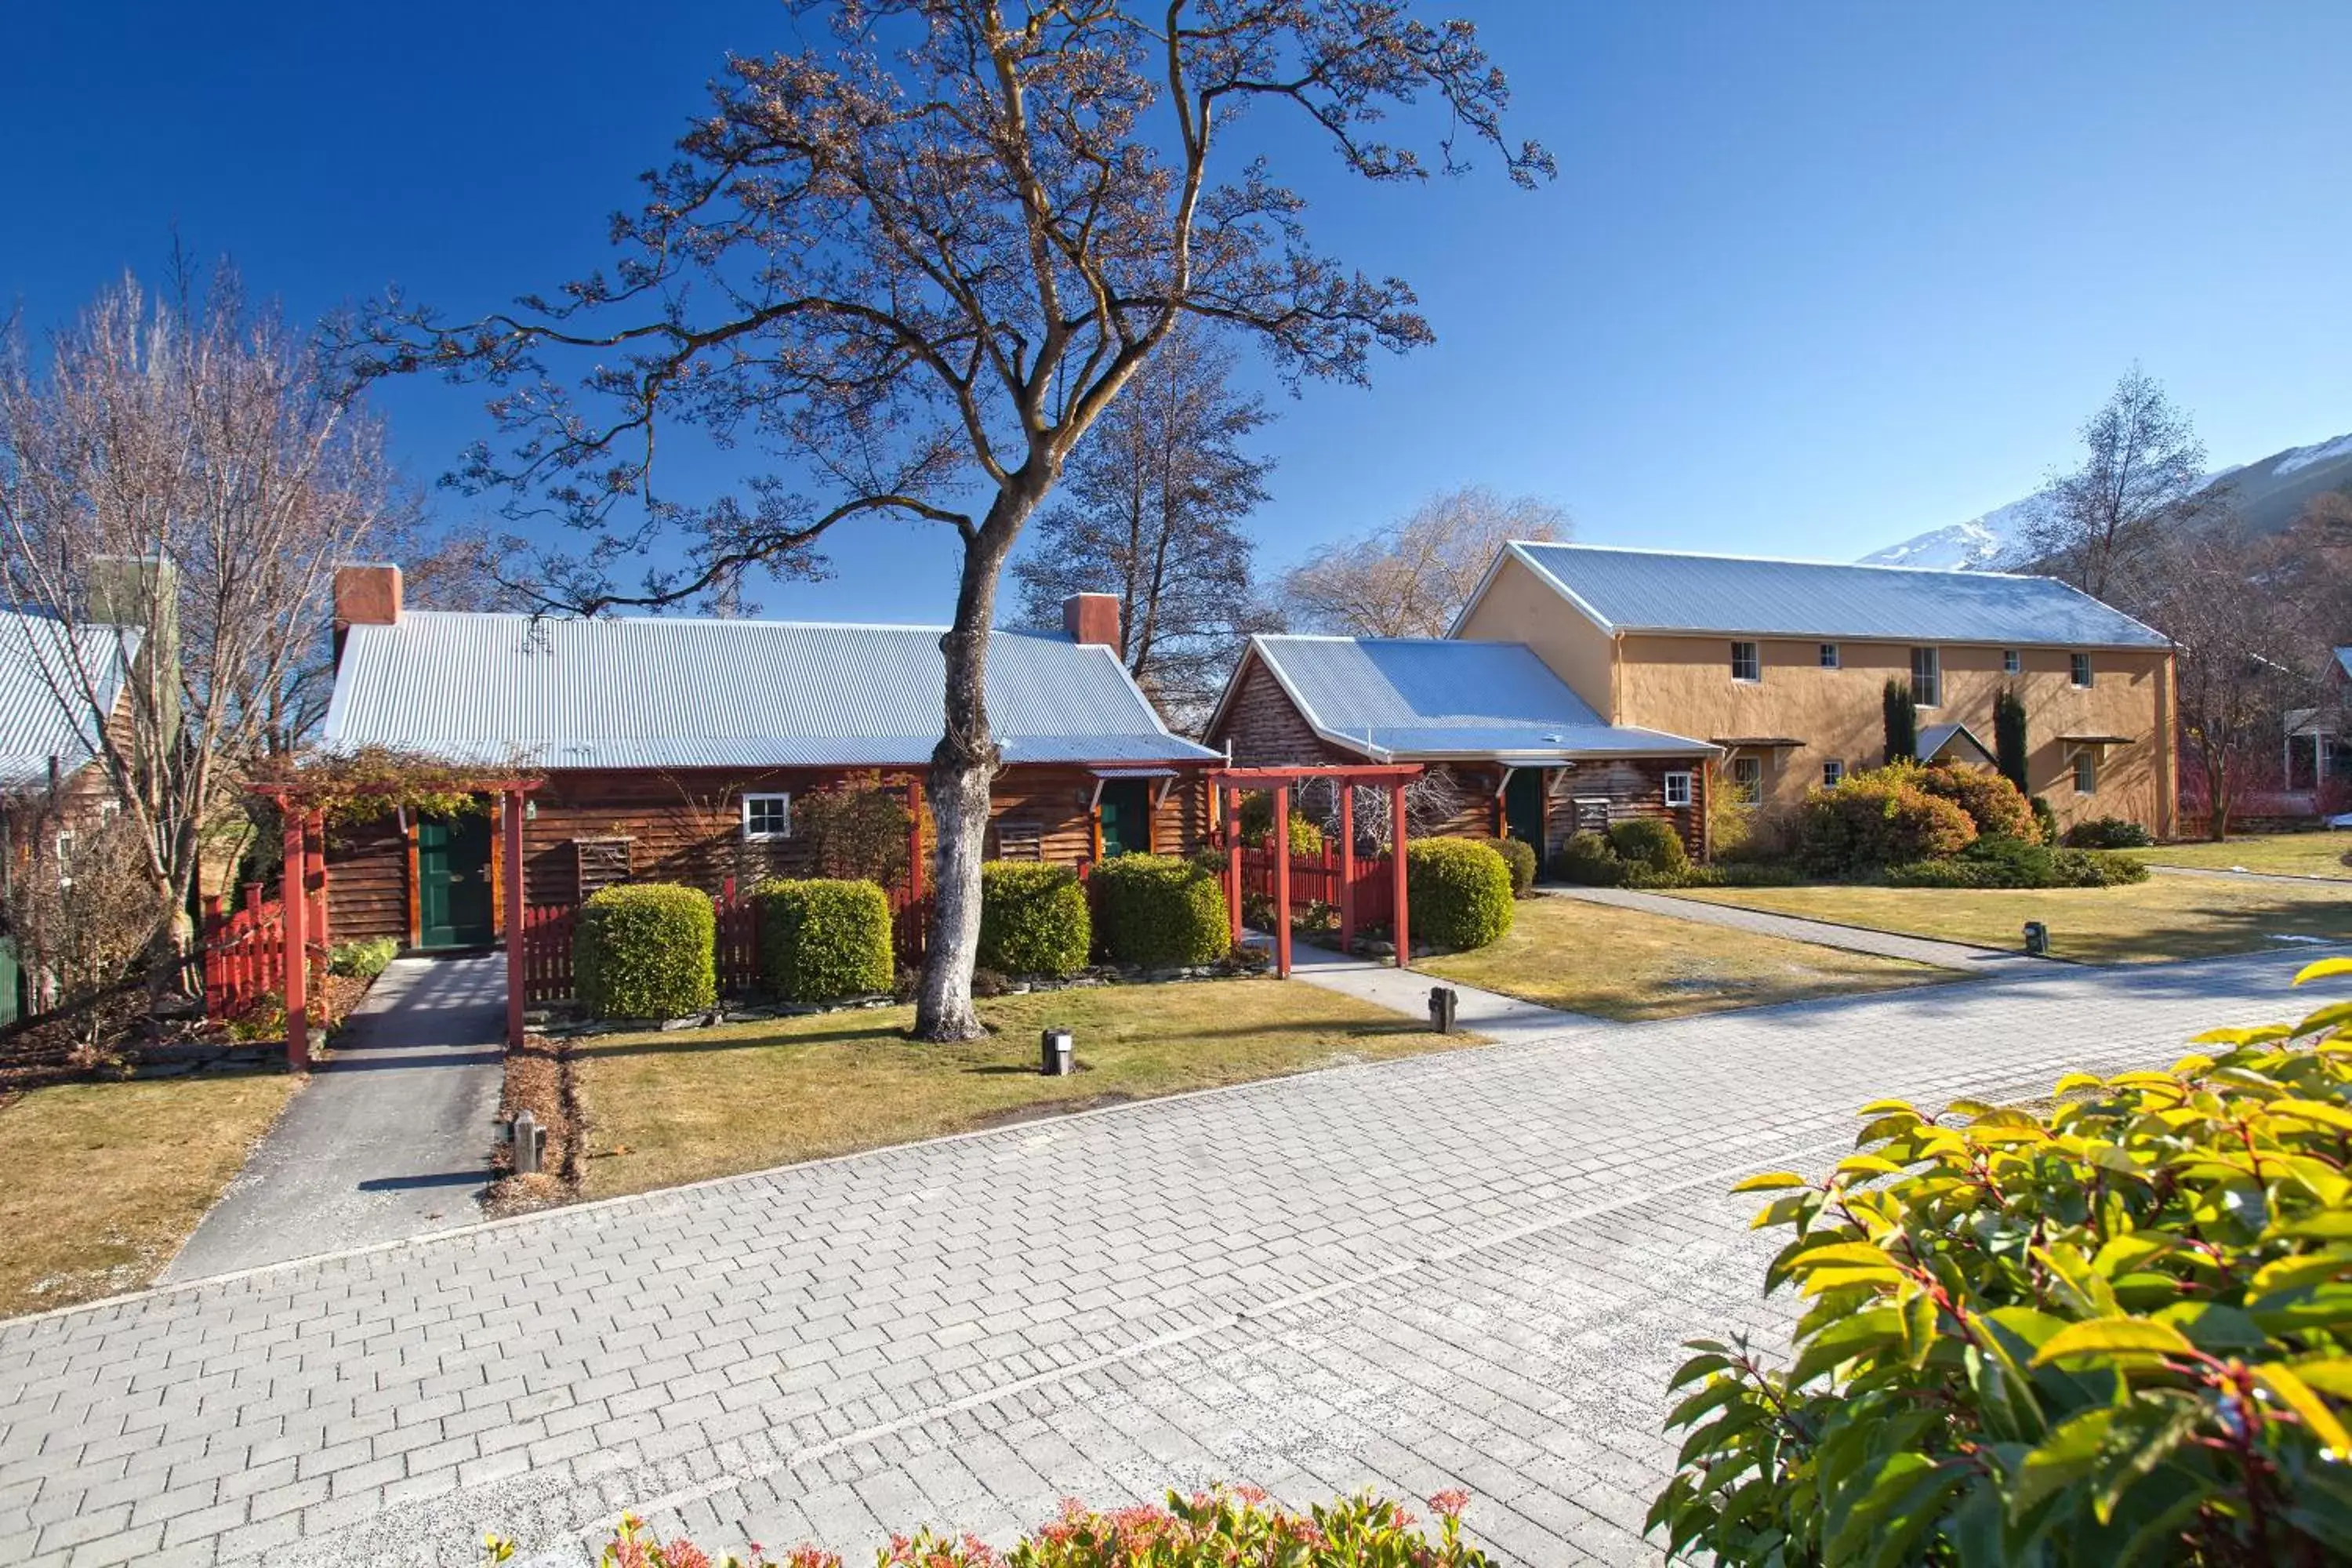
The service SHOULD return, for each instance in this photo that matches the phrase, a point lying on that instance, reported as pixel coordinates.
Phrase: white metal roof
(37, 663)
(679, 692)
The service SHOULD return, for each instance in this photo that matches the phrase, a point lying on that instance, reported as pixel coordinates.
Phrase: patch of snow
(1992, 543)
(2304, 456)
(2304, 941)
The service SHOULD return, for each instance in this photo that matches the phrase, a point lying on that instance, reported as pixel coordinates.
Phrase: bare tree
(1154, 502)
(79, 900)
(180, 476)
(2142, 468)
(914, 266)
(1412, 577)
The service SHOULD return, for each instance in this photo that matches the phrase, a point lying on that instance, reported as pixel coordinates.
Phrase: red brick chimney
(1092, 618)
(365, 595)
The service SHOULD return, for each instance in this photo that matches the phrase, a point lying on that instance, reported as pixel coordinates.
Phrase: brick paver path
(1466, 1269)
(1794, 928)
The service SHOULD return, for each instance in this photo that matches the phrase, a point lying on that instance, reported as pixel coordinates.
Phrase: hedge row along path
(1471, 1268)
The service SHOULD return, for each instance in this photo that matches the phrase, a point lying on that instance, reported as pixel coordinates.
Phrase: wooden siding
(367, 881)
(1265, 728)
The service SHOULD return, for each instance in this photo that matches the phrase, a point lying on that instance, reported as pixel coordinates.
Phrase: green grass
(1625, 964)
(2160, 918)
(678, 1106)
(104, 1181)
(2285, 854)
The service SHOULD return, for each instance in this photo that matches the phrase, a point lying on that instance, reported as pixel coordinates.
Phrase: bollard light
(1055, 1054)
(1443, 1002)
(2037, 939)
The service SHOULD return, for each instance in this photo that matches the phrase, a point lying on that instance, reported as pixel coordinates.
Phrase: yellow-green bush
(822, 940)
(1159, 910)
(1519, 858)
(1457, 893)
(1879, 818)
(1651, 844)
(646, 950)
(1034, 918)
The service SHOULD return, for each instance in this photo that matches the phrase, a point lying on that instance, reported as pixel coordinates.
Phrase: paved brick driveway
(1471, 1269)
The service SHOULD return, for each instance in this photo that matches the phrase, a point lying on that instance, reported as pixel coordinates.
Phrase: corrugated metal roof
(1424, 697)
(1936, 737)
(693, 693)
(37, 658)
(1646, 590)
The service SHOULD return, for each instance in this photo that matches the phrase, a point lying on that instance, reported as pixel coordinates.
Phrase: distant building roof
(1420, 697)
(37, 660)
(1937, 739)
(1659, 590)
(663, 692)
(2343, 660)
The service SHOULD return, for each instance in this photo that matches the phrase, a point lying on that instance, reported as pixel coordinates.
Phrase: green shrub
(2120, 1329)
(1159, 910)
(1650, 843)
(2013, 863)
(2045, 819)
(2097, 869)
(1033, 919)
(1214, 1528)
(364, 960)
(1997, 806)
(1519, 857)
(822, 940)
(1306, 838)
(1587, 860)
(646, 950)
(1878, 818)
(2108, 833)
(1457, 892)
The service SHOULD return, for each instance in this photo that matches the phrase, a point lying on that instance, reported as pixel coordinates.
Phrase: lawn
(678, 1106)
(2162, 917)
(105, 1180)
(2289, 854)
(1625, 964)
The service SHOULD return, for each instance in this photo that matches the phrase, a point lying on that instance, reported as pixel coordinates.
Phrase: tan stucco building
(1783, 665)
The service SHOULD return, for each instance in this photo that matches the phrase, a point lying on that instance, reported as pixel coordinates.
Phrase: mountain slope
(2268, 495)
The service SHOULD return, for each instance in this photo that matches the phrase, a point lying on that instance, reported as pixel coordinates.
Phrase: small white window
(2081, 670)
(1748, 779)
(1833, 774)
(767, 816)
(2012, 661)
(1927, 676)
(1678, 789)
(1828, 655)
(2086, 775)
(1744, 664)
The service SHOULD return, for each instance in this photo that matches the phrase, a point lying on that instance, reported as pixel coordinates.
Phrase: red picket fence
(1315, 880)
(244, 953)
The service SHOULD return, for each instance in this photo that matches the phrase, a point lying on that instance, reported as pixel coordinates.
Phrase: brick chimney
(1093, 618)
(365, 595)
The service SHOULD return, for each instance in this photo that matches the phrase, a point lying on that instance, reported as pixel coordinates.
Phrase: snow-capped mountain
(2266, 495)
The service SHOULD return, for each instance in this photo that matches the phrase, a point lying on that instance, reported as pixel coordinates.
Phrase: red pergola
(1232, 784)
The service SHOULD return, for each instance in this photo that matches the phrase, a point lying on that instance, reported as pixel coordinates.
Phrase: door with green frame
(1523, 808)
(453, 881)
(1126, 809)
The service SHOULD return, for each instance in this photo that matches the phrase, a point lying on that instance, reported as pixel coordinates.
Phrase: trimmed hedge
(1519, 857)
(2108, 833)
(1159, 910)
(1033, 919)
(1651, 844)
(822, 940)
(646, 949)
(2013, 863)
(1587, 860)
(1457, 892)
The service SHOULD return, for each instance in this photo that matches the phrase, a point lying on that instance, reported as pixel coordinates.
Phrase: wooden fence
(1315, 880)
(244, 953)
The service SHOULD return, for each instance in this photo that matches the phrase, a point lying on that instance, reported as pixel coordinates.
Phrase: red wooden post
(510, 831)
(1282, 878)
(296, 903)
(1234, 861)
(1396, 873)
(320, 914)
(1347, 867)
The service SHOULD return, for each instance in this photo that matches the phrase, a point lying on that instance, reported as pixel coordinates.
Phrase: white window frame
(1921, 695)
(1832, 774)
(2080, 672)
(1755, 661)
(2086, 773)
(1748, 791)
(753, 836)
(1678, 789)
(1833, 657)
(2011, 662)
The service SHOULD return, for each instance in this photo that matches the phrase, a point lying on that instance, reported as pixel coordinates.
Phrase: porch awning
(2101, 741)
(1136, 772)
(1757, 742)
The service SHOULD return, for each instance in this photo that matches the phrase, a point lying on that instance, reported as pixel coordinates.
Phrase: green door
(453, 881)
(1523, 808)
(1126, 817)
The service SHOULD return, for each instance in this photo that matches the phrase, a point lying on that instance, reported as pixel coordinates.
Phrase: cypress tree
(1902, 723)
(2009, 736)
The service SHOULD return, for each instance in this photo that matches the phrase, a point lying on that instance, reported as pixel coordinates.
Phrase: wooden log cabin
(673, 748)
(1524, 754)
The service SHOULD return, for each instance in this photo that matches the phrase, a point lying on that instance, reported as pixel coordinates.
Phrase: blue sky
(1814, 277)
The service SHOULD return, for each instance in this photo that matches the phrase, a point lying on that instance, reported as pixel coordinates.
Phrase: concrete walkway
(1824, 933)
(1487, 1012)
(390, 1139)
(2233, 874)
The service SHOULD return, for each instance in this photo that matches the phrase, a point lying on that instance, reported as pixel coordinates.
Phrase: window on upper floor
(1828, 655)
(2012, 661)
(1678, 789)
(1927, 676)
(767, 816)
(1745, 663)
(2081, 670)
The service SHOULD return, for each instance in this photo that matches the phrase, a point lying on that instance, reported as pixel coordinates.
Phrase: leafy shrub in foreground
(1650, 843)
(1881, 817)
(2119, 1332)
(1159, 910)
(1519, 858)
(646, 949)
(1997, 807)
(2108, 833)
(1457, 892)
(362, 960)
(1033, 919)
(1224, 1528)
(1587, 860)
(822, 940)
